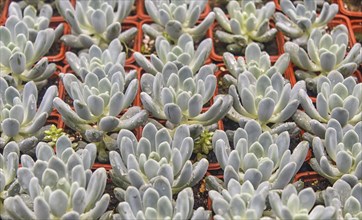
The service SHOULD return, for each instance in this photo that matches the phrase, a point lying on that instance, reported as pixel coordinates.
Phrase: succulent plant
(96, 114)
(258, 156)
(256, 62)
(203, 144)
(96, 22)
(346, 199)
(182, 54)
(292, 204)
(337, 98)
(325, 52)
(267, 100)
(177, 95)
(21, 59)
(299, 22)
(101, 62)
(155, 202)
(8, 168)
(52, 134)
(35, 3)
(35, 22)
(21, 119)
(60, 185)
(156, 154)
(240, 201)
(246, 24)
(104, 91)
(174, 17)
(338, 155)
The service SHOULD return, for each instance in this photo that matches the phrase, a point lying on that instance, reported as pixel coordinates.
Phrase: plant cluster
(99, 97)
(21, 119)
(325, 53)
(173, 18)
(96, 22)
(256, 62)
(160, 122)
(59, 184)
(22, 59)
(258, 156)
(156, 154)
(298, 22)
(246, 24)
(156, 202)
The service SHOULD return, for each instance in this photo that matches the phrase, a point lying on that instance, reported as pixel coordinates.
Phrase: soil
(305, 167)
(200, 195)
(113, 203)
(133, 11)
(51, 81)
(221, 89)
(317, 184)
(270, 47)
(353, 5)
(309, 92)
(151, 46)
(73, 135)
(211, 157)
(222, 86)
(229, 124)
(128, 48)
(68, 99)
(294, 139)
(55, 49)
(358, 36)
(2, 3)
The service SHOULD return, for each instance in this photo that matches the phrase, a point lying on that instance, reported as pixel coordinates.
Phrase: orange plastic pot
(142, 13)
(277, 5)
(308, 176)
(347, 12)
(56, 119)
(357, 29)
(101, 165)
(219, 57)
(4, 13)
